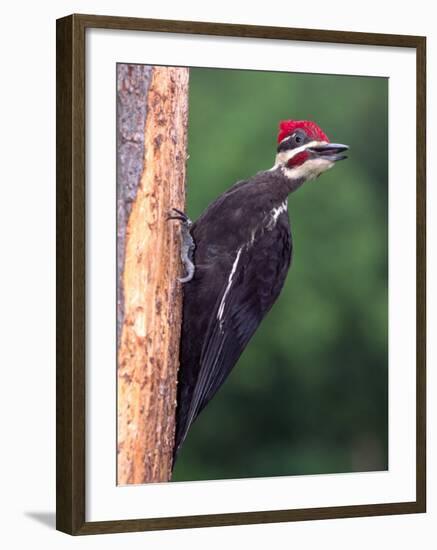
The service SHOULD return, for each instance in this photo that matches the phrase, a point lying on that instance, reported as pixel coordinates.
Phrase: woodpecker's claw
(187, 244)
(180, 216)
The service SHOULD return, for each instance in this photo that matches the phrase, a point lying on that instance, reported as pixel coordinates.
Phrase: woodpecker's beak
(329, 151)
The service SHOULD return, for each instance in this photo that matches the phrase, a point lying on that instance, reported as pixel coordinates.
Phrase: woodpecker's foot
(187, 244)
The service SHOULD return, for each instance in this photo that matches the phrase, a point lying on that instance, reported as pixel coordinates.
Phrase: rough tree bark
(152, 138)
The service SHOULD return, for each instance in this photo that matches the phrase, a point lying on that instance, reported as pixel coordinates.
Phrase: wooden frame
(70, 204)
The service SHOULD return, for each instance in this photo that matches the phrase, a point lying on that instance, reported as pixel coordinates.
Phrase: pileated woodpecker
(237, 255)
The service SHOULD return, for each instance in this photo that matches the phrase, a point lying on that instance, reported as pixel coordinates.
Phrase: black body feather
(242, 256)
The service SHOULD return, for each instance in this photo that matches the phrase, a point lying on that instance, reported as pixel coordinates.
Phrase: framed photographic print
(240, 274)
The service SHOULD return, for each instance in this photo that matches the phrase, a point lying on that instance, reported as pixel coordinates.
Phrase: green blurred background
(310, 393)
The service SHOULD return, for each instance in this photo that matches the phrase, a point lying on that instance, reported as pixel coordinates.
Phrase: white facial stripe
(284, 156)
(309, 170)
(285, 139)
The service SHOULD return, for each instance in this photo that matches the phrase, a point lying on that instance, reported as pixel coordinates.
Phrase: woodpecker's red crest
(287, 127)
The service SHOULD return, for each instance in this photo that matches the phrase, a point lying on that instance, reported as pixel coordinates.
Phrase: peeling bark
(133, 82)
(149, 295)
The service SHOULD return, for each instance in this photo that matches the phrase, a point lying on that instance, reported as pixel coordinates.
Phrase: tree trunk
(151, 146)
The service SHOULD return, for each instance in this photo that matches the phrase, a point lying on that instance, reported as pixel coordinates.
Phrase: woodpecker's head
(304, 150)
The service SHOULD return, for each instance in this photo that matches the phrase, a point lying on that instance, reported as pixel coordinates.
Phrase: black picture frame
(71, 279)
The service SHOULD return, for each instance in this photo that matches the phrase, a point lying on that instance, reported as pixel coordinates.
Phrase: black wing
(254, 283)
(234, 320)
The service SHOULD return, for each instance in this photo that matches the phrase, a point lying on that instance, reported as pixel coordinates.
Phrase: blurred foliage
(310, 393)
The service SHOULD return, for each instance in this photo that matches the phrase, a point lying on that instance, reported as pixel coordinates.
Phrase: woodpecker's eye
(298, 138)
